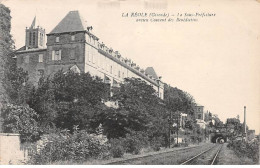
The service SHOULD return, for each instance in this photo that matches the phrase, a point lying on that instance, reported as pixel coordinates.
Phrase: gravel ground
(172, 158)
(228, 157)
(207, 157)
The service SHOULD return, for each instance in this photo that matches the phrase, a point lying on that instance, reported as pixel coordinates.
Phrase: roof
(72, 22)
(23, 50)
(199, 105)
(151, 71)
(34, 23)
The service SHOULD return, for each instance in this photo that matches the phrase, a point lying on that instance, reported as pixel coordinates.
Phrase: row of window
(32, 36)
(89, 39)
(56, 55)
(102, 62)
(33, 39)
(27, 58)
(57, 39)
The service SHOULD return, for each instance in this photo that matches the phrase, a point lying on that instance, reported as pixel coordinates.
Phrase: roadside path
(228, 157)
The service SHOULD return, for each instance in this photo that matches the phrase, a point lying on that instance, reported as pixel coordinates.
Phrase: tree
(22, 120)
(234, 127)
(178, 100)
(140, 110)
(6, 47)
(67, 99)
(18, 89)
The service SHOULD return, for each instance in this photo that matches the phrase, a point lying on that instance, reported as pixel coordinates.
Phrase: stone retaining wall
(10, 149)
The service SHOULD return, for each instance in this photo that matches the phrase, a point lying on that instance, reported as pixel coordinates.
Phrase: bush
(79, 146)
(242, 149)
(134, 142)
(117, 149)
(156, 143)
(132, 145)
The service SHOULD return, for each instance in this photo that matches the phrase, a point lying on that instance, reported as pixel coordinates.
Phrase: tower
(35, 36)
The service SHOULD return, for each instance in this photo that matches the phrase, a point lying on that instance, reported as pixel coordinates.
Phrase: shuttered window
(56, 55)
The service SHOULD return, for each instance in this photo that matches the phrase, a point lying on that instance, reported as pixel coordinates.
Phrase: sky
(216, 59)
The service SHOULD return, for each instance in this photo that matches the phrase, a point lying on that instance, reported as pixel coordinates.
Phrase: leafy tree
(178, 100)
(68, 99)
(6, 47)
(18, 88)
(139, 110)
(234, 127)
(22, 120)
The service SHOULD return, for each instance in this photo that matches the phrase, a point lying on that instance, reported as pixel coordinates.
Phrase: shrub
(117, 150)
(156, 147)
(156, 143)
(247, 149)
(79, 146)
(134, 142)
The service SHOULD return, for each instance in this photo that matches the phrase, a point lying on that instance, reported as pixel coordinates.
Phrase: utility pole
(170, 125)
(245, 133)
(177, 127)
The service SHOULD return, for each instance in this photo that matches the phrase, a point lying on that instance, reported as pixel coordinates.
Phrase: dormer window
(57, 39)
(72, 37)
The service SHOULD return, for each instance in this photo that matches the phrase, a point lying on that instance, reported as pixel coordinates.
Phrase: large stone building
(72, 45)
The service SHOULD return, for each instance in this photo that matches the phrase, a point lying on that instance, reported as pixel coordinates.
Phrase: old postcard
(120, 82)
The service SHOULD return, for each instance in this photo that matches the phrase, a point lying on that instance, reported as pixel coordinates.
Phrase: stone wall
(10, 149)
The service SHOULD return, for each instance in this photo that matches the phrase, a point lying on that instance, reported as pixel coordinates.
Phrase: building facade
(71, 45)
(199, 116)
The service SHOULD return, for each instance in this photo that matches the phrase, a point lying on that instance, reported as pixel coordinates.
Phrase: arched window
(34, 38)
(30, 38)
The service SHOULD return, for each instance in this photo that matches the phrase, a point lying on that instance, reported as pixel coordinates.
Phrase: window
(56, 55)
(119, 74)
(30, 38)
(123, 75)
(40, 57)
(93, 56)
(72, 54)
(34, 38)
(199, 116)
(98, 60)
(41, 39)
(111, 69)
(72, 37)
(88, 53)
(57, 39)
(26, 59)
(41, 72)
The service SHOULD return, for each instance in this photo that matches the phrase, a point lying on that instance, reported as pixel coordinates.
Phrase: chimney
(245, 133)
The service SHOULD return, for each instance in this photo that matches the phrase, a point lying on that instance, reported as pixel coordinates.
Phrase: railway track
(205, 157)
(139, 159)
